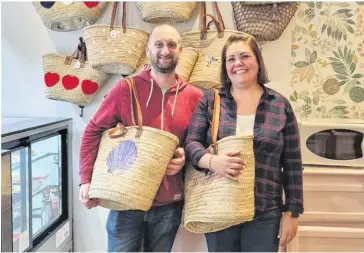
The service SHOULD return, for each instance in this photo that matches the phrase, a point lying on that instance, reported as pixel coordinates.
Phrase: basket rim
(116, 26)
(152, 129)
(233, 137)
(226, 30)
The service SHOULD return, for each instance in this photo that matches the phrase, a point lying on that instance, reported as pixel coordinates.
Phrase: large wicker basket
(214, 203)
(115, 49)
(209, 43)
(131, 163)
(66, 82)
(165, 12)
(265, 21)
(61, 17)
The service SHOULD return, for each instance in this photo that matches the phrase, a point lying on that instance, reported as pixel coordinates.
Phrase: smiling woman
(247, 108)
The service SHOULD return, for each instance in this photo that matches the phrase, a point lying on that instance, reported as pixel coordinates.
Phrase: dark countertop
(10, 126)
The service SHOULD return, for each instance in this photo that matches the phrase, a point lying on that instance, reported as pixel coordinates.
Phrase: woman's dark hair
(249, 40)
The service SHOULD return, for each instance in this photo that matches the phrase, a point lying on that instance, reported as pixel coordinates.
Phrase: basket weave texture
(213, 202)
(66, 82)
(165, 12)
(115, 49)
(266, 22)
(63, 18)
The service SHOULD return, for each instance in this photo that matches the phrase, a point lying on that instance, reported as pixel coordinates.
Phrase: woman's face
(241, 64)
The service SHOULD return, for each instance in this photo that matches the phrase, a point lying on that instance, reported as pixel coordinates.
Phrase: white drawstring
(175, 100)
(151, 91)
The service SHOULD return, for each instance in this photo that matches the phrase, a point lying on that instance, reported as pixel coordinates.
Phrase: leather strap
(219, 16)
(133, 94)
(124, 17)
(119, 127)
(113, 15)
(79, 54)
(219, 23)
(215, 120)
(214, 20)
(203, 21)
(133, 97)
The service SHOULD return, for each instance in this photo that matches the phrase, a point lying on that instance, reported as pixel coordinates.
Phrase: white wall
(25, 39)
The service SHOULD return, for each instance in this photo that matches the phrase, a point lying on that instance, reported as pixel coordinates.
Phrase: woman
(250, 108)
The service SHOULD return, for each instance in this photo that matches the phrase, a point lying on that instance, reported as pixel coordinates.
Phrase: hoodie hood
(153, 87)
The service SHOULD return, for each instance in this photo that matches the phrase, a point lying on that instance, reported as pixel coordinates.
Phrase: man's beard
(165, 70)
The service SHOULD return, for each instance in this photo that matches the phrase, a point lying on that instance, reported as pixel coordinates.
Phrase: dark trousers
(258, 235)
(154, 230)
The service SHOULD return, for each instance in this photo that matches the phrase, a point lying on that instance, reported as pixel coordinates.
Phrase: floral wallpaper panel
(328, 60)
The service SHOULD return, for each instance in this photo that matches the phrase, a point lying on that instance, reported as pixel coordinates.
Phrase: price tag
(113, 34)
(77, 65)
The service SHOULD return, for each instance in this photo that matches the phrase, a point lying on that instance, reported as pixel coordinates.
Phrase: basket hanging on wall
(165, 12)
(209, 44)
(115, 49)
(68, 16)
(266, 21)
(71, 78)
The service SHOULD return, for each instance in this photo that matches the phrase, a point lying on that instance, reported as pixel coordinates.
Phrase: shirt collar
(267, 92)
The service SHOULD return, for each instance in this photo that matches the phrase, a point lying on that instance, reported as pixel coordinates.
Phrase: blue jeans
(154, 230)
(258, 235)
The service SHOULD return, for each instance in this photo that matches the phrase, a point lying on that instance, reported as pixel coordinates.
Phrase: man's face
(163, 49)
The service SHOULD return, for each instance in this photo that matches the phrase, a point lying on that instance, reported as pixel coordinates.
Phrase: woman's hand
(288, 230)
(228, 165)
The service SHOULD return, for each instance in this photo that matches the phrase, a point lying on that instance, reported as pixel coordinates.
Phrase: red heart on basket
(51, 79)
(91, 4)
(70, 82)
(89, 87)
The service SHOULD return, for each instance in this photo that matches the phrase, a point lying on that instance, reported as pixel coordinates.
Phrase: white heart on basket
(67, 2)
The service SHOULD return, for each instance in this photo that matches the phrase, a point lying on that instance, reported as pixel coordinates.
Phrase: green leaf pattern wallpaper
(327, 52)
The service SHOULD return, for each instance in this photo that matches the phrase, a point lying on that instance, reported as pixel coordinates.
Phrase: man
(167, 103)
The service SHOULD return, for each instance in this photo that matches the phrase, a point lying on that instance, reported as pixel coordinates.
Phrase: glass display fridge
(36, 192)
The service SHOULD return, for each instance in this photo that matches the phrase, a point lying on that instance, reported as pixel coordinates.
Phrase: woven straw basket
(266, 21)
(131, 164)
(165, 12)
(207, 70)
(184, 67)
(213, 203)
(63, 18)
(64, 82)
(115, 49)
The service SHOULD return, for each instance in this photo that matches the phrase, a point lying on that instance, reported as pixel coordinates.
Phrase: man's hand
(288, 230)
(84, 198)
(177, 162)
